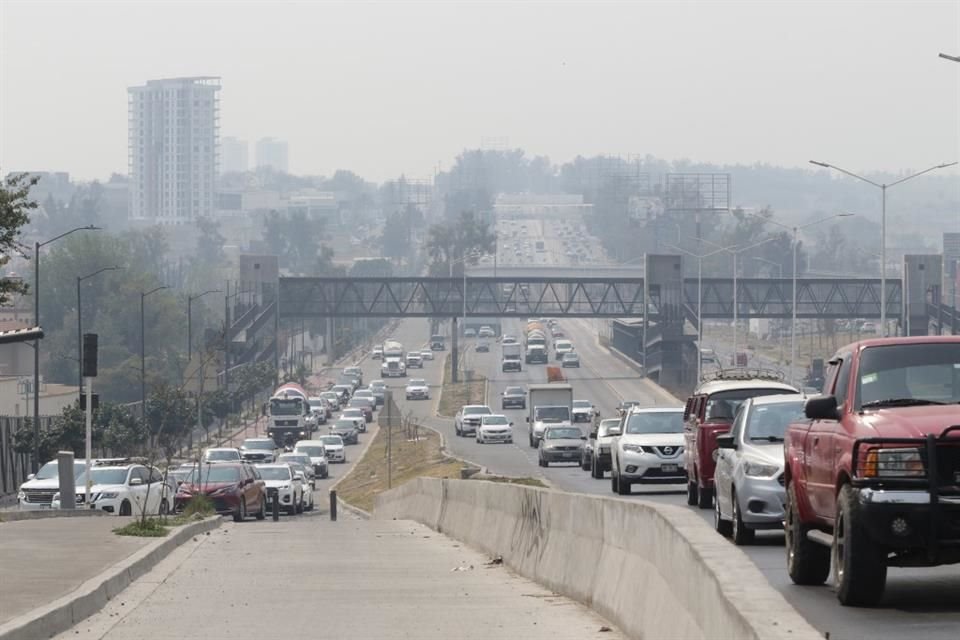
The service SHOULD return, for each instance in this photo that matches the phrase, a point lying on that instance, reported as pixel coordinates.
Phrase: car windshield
(334, 441)
(260, 445)
(418, 382)
(552, 414)
(582, 404)
(724, 405)
(318, 404)
(104, 475)
(656, 422)
(217, 473)
(770, 421)
(346, 424)
(477, 410)
(908, 374)
(352, 413)
(563, 434)
(51, 470)
(358, 402)
(329, 395)
(496, 420)
(514, 391)
(222, 455)
(284, 407)
(570, 356)
(296, 458)
(311, 450)
(274, 473)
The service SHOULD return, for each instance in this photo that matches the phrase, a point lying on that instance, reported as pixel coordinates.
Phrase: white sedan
(495, 428)
(417, 389)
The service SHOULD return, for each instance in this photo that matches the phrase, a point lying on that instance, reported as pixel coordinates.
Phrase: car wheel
(585, 463)
(721, 526)
(704, 497)
(456, 428)
(300, 505)
(692, 492)
(623, 486)
(742, 534)
(541, 461)
(532, 445)
(262, 513)
(164, 507)
(808, 563)
(859, 564)
(125, 509)
(613, 481)
(325, 474)
(241, 512)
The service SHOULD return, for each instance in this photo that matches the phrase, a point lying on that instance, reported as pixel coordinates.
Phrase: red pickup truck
(709, 412)
(873, 478)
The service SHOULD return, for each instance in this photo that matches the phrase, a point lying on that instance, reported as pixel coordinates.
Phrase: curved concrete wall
(657, 571)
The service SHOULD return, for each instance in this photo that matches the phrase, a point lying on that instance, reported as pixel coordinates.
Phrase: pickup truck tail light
(902, 462)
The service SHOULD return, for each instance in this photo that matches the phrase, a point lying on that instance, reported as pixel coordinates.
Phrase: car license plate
(669, 468)
(569, 455)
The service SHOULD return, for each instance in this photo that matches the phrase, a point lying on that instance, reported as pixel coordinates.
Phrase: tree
(294, 237)
(15, 208)
(447, 243)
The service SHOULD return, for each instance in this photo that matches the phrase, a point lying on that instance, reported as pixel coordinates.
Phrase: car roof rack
(119, 462)
(745, 373)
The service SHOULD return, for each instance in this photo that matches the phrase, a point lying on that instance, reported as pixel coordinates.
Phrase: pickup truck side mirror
(822, 408)
(725, 441)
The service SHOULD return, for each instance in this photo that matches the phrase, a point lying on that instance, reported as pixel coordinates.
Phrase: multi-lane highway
(919, 602)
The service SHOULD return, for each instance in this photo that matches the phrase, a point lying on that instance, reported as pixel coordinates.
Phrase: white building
(234, 155)
(272, 153)
(173, 143)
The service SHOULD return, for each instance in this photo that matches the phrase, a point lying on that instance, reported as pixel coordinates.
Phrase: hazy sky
(385, 88)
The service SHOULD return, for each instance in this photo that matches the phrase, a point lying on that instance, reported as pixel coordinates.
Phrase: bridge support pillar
(330, 343)
(454, 350)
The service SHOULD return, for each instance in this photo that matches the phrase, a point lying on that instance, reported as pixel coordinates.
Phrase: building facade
(234, 155)
(173, 145)
(272, 153)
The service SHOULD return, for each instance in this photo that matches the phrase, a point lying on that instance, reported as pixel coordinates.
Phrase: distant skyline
(389, 88)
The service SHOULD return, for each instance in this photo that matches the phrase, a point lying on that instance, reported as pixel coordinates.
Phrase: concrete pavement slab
(308, 577)
(42, 560)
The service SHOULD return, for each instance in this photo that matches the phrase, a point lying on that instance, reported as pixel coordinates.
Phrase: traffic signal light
(95, 401)
(89, 355)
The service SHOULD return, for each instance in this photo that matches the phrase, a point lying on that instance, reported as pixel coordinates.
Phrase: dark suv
(235, 489)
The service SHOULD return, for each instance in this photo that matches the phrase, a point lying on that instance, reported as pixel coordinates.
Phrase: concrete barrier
(656, 571)
(48, 620)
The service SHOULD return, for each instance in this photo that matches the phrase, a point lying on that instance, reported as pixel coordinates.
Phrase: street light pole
(883, 225)
(190, 300)
(80, 324)
(780, 277)
(36, 343)
(143, 354)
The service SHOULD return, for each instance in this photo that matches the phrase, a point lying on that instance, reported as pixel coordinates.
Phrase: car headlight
(633, 448)
(759, 469)
(904, 462)
(285, 487)
(109, 495)
(56, 497)
(21, 496)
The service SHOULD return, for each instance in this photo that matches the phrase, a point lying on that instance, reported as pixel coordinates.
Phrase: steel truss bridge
(613, 297)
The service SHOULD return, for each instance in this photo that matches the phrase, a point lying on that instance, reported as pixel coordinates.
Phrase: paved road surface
(357, 579)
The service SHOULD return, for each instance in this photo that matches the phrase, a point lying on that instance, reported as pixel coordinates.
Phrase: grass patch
(149, 528)
(454, 395)
(412, 458)
(199, 505)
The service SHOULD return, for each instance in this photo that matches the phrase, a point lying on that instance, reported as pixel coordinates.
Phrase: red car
(710, 412)
(873, 478)
(235, 489)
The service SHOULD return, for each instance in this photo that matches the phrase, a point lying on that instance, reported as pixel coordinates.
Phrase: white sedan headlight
(635, 448)
(759, 469)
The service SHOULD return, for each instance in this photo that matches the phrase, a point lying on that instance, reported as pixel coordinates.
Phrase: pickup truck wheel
(704, 497)
(860, 566)
(721, 526)
(808, 563)
(742, 535)
(692, 493)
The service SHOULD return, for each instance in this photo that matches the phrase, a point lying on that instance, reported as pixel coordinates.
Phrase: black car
(514, 397)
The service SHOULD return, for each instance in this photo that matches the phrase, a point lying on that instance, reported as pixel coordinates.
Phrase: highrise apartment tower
(173, 151)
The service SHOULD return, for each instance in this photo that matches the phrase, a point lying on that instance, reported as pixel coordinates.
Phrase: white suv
(39, 489)
(126, 490)
(561, 348)
(649, 449)
(281, 479)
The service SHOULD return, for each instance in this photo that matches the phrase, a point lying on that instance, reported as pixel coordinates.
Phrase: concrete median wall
(656, 571)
